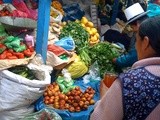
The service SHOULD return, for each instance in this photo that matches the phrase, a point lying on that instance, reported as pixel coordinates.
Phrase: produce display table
(42, 26)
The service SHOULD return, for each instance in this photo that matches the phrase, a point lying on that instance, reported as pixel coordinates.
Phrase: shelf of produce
(42, 26)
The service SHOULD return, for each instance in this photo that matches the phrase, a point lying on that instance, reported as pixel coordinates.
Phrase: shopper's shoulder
(131, 72)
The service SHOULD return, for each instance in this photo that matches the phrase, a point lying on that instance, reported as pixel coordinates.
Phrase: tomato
(19, 55)
(27, 53)
(12, 57)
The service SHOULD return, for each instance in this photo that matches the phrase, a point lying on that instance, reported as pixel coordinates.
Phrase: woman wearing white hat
(135, 14)
(135, 94)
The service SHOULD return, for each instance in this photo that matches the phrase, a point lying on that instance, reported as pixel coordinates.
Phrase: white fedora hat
(134, 12)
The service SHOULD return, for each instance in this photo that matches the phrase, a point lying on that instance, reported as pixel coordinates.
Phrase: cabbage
(77, 68)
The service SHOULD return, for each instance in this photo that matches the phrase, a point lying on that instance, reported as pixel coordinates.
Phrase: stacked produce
(80, 37)
(57, 5)
(89, 26)
(23, 71)
(104, 53)
(14, 48)
(77, 32)
(74, 101)
(55, 28)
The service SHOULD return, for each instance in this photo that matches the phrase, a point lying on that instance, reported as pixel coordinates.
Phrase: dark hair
(151, 28)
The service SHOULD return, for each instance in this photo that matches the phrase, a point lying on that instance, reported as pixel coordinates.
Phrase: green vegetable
(77, 32)
(84, 55)
(104, 53)
(23, 71)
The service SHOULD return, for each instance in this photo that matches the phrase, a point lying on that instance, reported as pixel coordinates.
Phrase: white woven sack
(17, 91)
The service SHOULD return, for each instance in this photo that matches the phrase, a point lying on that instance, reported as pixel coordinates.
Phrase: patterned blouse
(141, 93)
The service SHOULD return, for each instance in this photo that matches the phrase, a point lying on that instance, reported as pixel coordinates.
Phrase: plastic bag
(16, 113)
(53, 60)
(73, 12)
(66, 83)
(20, 48)
(44, 114)
(57, 50)
(82, 115)
(20, 5)
(67, 43)
(94, 74)
(59, 16)
(8, 39)
(58, 63)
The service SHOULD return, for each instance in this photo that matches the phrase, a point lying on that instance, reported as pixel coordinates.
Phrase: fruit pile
(89, 26)
(14, 48)
(74, 101)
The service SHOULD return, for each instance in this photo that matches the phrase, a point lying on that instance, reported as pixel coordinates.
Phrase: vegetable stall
(61, 65)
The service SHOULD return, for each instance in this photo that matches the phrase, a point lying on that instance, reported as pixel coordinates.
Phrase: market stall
(52, 64)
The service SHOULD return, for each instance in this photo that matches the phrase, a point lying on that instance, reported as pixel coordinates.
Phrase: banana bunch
(89, 26)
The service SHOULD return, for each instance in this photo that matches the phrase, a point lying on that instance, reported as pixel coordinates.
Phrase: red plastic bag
(21, 6)
(56, 50)
(23, 10)
(17, 13)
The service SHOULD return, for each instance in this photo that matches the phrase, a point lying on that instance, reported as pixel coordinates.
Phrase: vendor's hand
(114, 60)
